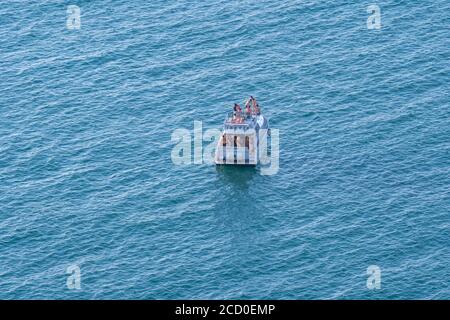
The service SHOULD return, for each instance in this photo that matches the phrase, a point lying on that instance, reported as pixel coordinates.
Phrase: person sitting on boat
(237, 114)
(248, 111)
(257, 109)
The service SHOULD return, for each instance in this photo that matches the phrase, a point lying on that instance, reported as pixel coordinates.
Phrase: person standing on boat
(256, 108)
(248, 109)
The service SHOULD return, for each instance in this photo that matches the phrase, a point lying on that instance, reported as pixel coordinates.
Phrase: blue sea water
(86, 177)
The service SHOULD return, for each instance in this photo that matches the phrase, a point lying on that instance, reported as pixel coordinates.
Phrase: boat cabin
(238, 143)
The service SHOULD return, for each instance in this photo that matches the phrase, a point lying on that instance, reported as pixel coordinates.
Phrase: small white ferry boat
(243, 132)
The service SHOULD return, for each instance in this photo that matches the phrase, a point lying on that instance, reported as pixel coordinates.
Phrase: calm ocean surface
(86, 176)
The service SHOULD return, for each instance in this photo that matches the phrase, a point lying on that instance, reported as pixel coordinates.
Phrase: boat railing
(240, 119)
